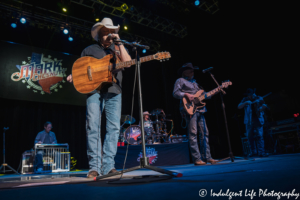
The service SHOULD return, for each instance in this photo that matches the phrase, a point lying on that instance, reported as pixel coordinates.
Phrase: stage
(278, 173)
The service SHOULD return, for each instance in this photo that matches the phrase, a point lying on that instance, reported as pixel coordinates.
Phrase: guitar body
(91, 74)
(192, 106)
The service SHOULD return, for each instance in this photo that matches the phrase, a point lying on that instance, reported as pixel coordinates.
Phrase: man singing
(186, 86)
(44, 137)
(108, 99)
(254, 107)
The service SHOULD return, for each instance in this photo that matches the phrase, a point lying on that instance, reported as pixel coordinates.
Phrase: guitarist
(254, 107)
(101, 161)
(186, 86)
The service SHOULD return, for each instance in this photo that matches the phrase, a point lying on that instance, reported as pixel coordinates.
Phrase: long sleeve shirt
(41, 136)
(184, 86)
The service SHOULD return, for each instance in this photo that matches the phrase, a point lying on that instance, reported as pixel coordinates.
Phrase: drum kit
(155, 129)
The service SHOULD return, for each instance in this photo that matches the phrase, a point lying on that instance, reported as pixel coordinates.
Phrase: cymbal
(157, 111)
(127, 119)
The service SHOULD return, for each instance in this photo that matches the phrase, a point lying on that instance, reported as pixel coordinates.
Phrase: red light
(295, 115)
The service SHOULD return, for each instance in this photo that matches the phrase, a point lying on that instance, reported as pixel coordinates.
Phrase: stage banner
(158, 154)
(35, 74)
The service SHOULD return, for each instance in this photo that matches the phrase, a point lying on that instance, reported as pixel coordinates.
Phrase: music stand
(144, 161)
(5, 164)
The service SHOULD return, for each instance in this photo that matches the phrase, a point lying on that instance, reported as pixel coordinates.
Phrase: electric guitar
(91, 74)
(192, 106)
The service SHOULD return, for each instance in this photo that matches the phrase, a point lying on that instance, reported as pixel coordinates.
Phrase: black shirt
(98, 51)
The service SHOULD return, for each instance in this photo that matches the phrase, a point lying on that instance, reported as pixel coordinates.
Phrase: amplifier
(178, 138)
(27, 162)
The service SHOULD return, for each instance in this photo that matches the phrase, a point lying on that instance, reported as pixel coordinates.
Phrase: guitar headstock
(162, 56)
(225, 84)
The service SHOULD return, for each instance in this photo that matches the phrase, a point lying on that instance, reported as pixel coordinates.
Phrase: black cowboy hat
(185, 67)
(250, 91)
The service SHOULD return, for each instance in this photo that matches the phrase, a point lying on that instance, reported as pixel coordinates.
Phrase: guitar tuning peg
(160, 60)
(167, 58)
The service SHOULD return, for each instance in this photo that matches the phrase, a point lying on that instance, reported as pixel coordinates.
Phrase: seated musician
(148, 127)
(254, 120)
(44, 137)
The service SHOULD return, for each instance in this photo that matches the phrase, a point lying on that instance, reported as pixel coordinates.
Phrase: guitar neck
(214, 91)
(121, 65)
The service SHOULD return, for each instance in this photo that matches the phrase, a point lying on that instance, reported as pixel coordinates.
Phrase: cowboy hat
(250, 92)
(185, 67)
(107, 22)
(146, 113)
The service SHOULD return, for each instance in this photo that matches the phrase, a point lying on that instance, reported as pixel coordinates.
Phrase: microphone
(110, 37)
(207, 70)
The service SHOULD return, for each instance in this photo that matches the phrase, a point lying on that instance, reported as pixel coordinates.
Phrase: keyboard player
(44, 137)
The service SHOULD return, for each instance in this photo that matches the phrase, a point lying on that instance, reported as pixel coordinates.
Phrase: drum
(133, 135)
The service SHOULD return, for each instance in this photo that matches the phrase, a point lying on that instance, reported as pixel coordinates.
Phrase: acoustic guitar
(91, 74)
(197, 103)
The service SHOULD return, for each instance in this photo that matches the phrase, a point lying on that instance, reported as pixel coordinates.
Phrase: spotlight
(125, 27)
(70, 39)
(197, 2)
(144, 50)
(64, 9)
(66, 31)
(23, 20)
(14, 25)
(97, 19)
(124, 7)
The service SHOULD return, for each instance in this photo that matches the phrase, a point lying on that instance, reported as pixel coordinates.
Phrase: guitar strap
(117, 52)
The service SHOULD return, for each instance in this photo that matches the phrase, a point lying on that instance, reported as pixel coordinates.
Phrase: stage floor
(244, 178)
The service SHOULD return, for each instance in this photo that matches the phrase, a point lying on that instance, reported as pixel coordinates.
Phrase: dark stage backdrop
(35, 74)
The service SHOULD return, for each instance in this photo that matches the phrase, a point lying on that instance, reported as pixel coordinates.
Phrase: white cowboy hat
(146, 113)
(108, 23)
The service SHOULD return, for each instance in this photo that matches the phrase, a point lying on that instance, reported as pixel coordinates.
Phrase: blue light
(144, 50)
(70, 39)
(23, 20)
(197, 2)
(66, 31)
(14, 25)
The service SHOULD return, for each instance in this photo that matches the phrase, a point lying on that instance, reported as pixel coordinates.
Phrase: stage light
(64, 9)
(144, 50)
(97, 19)
(23, 20)
(66, 31)
(197, 2)
(70, 39)
(125, 27)
(14, 25)
(124, 7)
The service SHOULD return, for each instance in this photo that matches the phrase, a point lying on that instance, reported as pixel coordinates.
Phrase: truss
(146, 18)
(47, 19)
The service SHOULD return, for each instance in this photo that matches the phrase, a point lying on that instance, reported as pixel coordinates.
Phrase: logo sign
(42, 74)
(151, 154)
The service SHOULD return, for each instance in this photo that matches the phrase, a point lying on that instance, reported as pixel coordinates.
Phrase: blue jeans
(255, 135)
(198, 137)
(102, 161)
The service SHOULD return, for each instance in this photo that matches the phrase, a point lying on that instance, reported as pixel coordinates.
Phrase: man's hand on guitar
(190, 97)
(70, 78)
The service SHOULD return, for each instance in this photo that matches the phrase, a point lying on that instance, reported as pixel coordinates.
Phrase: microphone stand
(224, 113)
(144, 161)
(5, 164)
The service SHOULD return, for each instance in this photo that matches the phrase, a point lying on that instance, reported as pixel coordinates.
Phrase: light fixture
(125, 27)
(124, 7)
(64, 9)
(65, 31)
(14, 25)
(23, 20)
(197, 2)
(70, 39)
(144, 50)
(97, 19)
